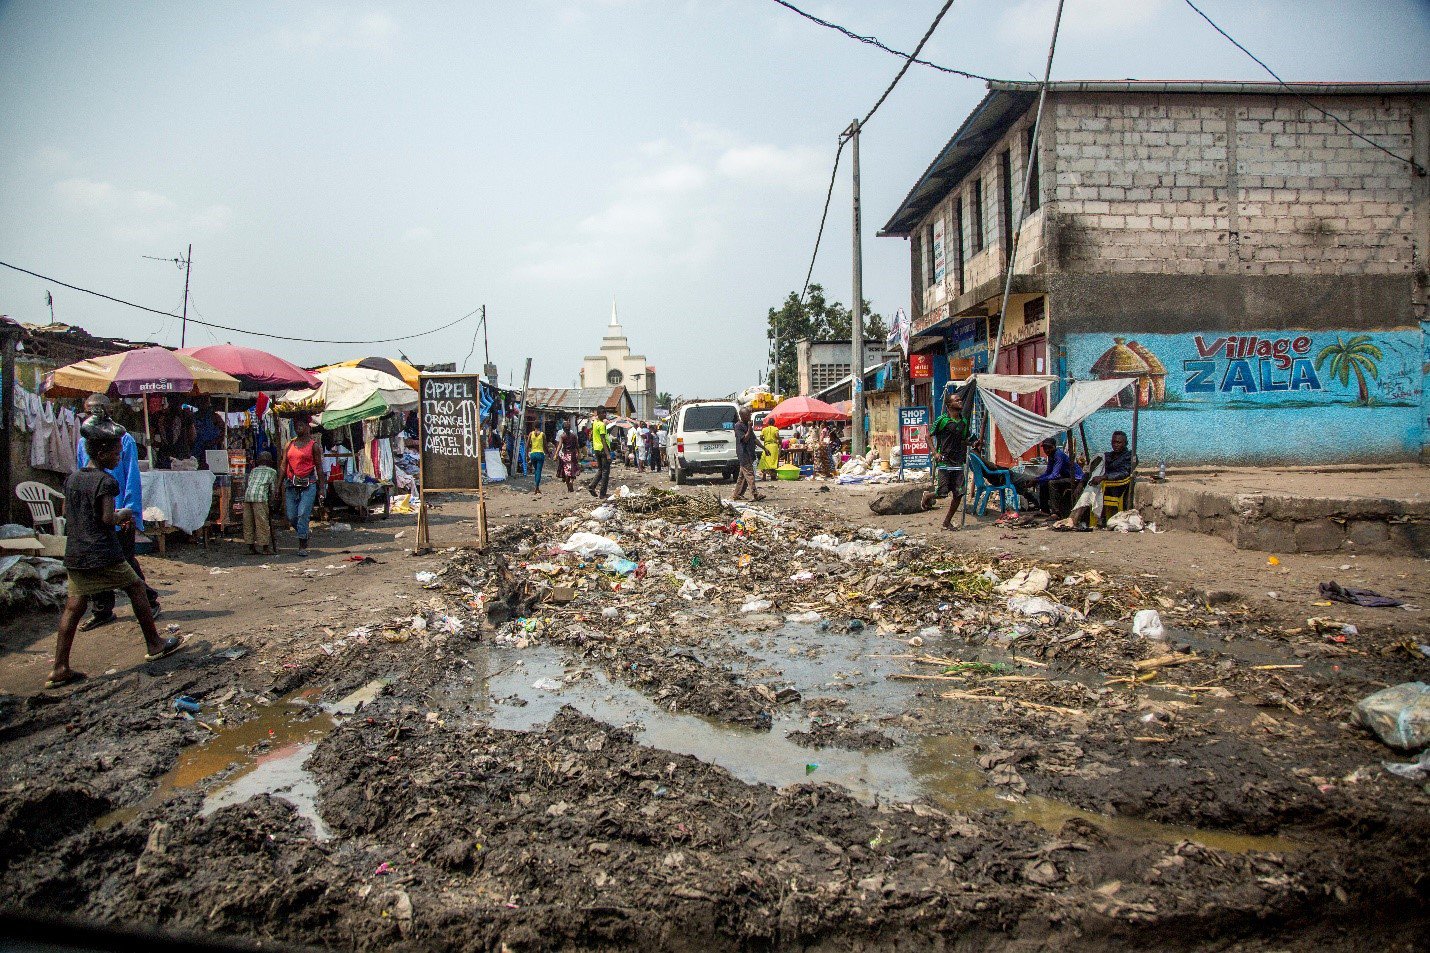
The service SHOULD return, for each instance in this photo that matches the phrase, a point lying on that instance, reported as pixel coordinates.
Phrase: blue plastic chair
(988, 482)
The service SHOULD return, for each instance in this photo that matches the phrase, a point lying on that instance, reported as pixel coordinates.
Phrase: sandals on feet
(96, 621)
(171, 645)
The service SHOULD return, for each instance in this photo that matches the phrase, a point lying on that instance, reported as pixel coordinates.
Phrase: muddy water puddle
(526, 688)
(267, 754)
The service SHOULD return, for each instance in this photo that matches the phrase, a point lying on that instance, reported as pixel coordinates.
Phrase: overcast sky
(369, 170)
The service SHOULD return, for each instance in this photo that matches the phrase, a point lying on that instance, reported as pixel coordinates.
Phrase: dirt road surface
(779, 729)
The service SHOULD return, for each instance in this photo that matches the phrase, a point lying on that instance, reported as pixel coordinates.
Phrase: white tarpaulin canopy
(1014, 383)
(348, 394)
(1021, 428)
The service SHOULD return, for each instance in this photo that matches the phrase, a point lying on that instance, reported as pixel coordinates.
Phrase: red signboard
(920, 366)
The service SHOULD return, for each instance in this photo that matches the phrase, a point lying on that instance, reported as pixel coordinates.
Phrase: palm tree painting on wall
(1355, 355)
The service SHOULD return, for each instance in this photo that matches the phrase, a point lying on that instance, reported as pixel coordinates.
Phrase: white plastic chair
(43, 507)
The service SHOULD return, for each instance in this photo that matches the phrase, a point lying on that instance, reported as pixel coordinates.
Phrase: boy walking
(93, 555)
(257, 498)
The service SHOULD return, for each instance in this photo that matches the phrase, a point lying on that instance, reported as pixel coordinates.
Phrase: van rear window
(710, 417)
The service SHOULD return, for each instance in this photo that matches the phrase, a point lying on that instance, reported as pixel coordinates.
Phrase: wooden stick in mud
(1164, 661)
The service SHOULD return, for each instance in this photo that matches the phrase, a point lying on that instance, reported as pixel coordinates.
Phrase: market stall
(178, 490)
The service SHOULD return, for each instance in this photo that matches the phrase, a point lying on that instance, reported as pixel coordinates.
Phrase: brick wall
(1260, 185)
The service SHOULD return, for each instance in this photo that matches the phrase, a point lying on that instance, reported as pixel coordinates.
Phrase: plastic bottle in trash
(1161, 471)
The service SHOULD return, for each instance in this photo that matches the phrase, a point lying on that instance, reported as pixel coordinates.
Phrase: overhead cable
(1419, 170)
(224, 327)
(875, 42)
(908, 61)
(823, 217)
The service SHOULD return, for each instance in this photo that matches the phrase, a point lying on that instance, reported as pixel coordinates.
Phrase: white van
(702, 439)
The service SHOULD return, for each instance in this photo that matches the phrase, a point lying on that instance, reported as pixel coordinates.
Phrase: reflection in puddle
(267, 754)
(940, 769)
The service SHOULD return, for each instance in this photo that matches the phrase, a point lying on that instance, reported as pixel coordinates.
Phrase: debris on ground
(1398, 716)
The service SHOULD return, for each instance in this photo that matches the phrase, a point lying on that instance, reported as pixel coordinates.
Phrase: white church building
(616, 365)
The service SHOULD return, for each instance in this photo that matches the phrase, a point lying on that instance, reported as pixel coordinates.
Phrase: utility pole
(50, 300)
(184, 321)
(775, 377)
(856, 356)
(184, 263)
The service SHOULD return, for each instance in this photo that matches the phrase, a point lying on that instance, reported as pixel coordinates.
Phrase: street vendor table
(183, 496)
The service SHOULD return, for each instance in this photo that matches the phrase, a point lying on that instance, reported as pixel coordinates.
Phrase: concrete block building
(1243, 249)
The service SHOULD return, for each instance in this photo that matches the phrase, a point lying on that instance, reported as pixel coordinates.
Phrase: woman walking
(567, 445)
(303, 478)
(536, 453)
(770, 455)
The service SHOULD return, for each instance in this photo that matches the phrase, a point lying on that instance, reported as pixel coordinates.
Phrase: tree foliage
(818, 319)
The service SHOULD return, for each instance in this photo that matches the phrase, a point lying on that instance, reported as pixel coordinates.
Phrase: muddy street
(661, 722)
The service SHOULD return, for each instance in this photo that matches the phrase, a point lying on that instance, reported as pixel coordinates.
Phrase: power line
(908, 61)
(1419, 170)
(224, 327)
(823, 217)
(875, 42)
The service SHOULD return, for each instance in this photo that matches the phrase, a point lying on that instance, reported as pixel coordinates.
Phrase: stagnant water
(523, 689)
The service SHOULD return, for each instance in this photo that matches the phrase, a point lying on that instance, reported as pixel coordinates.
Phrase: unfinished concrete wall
(1232, 184)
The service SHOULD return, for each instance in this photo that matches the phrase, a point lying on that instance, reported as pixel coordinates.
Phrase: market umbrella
(255, 370)
(138, 373)
(349, 394)
(145, 370)
(803, 410)
(402, 370)
(845, 407)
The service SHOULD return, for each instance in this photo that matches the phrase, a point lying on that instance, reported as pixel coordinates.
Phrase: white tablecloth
(183, 496)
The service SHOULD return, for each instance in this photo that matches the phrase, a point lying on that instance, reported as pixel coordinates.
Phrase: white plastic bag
(1148, 625)
(1027, 583)
(591, 545)
(603, 513)
(1399, 715)
(1126, 521)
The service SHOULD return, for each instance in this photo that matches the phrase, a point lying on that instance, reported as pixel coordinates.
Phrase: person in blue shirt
(131, 496)
(1060, 476)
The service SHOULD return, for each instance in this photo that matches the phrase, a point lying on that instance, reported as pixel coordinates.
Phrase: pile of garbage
(28, 578)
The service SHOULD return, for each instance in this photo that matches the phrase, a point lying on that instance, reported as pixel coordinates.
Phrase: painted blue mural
(1262, 396)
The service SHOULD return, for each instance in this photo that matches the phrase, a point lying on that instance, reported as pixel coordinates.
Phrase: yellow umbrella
(399, 369)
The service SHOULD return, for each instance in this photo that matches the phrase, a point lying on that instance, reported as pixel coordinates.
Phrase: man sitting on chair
(1060, 476)
(1115, 465)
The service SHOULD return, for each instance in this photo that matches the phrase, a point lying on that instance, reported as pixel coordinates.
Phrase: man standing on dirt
(600, 485)
(131, 497)
(951, 432)
(747, 448)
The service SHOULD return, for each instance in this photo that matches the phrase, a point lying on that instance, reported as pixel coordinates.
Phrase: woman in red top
(302, 475)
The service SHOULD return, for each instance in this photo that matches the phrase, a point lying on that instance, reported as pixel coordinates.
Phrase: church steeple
(615, 323)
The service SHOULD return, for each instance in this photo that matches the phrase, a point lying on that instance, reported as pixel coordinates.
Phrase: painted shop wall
(1262, 397)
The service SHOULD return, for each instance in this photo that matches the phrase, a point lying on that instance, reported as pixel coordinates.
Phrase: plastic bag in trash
(603, 513)
(1417, 770)
(756, 605)
(1399, 715)
(1042, 608)
(1148, 624)
(1126, 521)
(623, 567)
(1028, 582)
(590, 545)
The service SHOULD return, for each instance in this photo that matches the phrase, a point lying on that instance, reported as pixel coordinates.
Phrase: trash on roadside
(811, 767)
(1367, 598)
(1331, 628)
(340, 527)
(1126, 521)
(547, 685)
(621, 566)
(809, 617)
(1417, 770)
(591, 545)
(1042, 608)
(1147, 624)
(756, 605)
(187, 705)
(603, 513)
(426, 577)
(1399, 716)
(1027, 582)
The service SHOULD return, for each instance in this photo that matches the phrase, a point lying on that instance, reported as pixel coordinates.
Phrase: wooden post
(521, 414)
(7, 416)
(423, 543)
(481, 476)
(148, 436)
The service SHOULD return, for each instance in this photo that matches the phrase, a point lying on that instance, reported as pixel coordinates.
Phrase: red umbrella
(803, 410)
(256, 370)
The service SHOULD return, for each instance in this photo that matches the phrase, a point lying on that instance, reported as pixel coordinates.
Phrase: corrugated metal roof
(578, 398)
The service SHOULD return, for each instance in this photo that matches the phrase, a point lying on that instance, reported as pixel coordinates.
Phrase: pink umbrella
(803, 410)
(256, 370)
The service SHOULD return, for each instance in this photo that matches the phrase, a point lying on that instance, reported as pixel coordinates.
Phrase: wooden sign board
(449, 428)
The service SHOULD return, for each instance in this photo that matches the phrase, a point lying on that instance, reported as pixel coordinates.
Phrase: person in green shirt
(951, 436)
(257, 499)
(600, 485)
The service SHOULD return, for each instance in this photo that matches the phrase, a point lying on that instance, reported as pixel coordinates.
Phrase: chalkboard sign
(450, 428)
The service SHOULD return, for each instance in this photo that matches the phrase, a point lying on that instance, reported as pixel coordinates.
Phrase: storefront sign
(914, 438)
(450, 430)
(1249, 396)
(960, 368)
(938, 257)
(920, 366)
